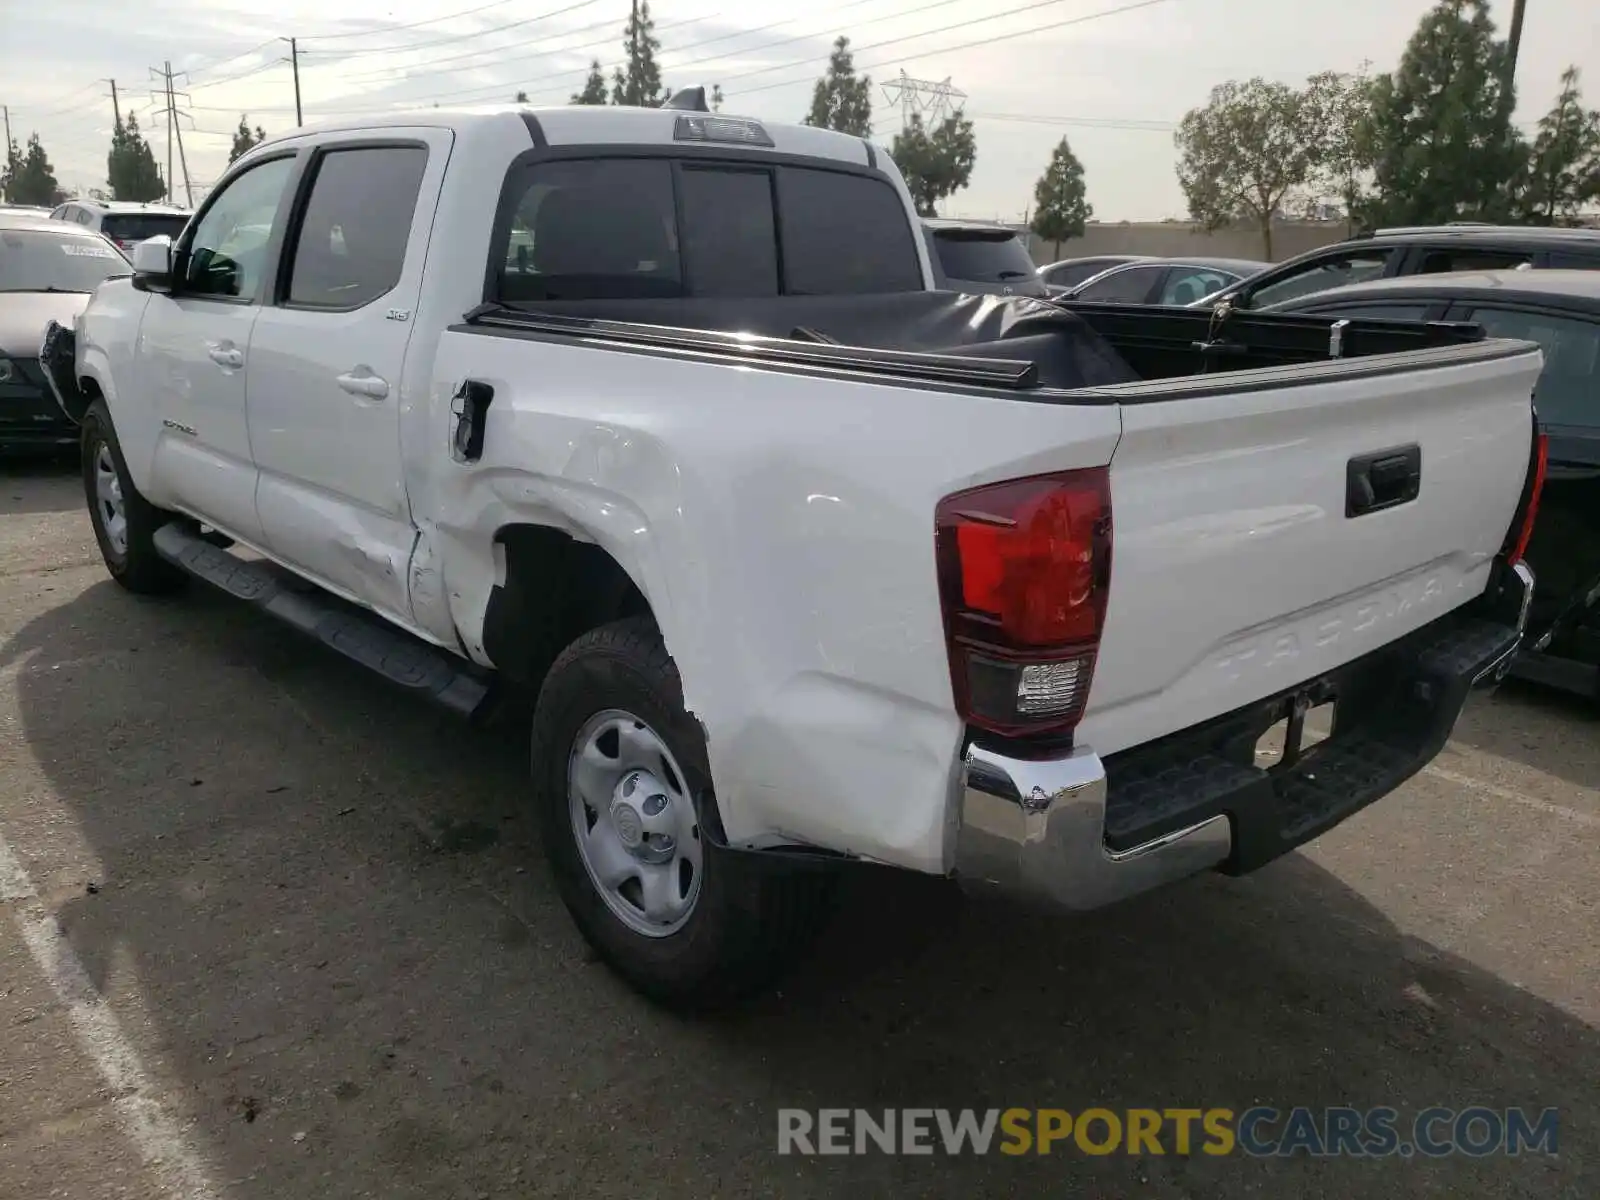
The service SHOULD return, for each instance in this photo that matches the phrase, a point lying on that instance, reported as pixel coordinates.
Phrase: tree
(841, 100)
(1443, 147)
(131, 167)
(716, 97)
(1060, 208)
(522, 98)
(245, 139)
(1244, 153)
(935, 164)
(1564, 167)
(29, 178)
(594, 87)
(1338, 111)
(639, 82)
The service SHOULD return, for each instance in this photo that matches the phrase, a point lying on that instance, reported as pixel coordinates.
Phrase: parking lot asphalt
(269, 928)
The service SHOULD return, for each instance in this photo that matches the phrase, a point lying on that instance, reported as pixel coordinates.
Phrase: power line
(401, 72)
(227, 79)
(461, 37)
(222, 62)
(1095, 16)
(1131, 124)
(528, 84)
(455, 16)
(433, 64)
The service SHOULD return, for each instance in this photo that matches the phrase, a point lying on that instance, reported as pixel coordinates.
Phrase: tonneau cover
(1065, 350)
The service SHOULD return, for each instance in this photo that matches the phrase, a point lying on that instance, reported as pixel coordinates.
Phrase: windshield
(40, 261)
(991, 259)
(135, 227)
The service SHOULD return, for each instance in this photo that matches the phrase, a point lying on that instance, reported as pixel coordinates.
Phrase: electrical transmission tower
(928, 98)
(169, 98)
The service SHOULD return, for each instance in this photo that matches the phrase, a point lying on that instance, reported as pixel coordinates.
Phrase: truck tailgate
(1248, 555)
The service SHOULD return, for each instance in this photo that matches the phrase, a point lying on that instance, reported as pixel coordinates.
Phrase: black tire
(136, 566)
(751, 917)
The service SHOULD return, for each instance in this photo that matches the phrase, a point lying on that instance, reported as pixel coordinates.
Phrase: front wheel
(124, 522)
(622, 782)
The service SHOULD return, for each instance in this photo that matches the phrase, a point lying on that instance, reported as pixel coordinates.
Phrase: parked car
(124, 222)
(806, 560)
(1419, 250)
(1164, 280)
(47, 272)
(979, 257)
(1560, 310)
(1069, 272)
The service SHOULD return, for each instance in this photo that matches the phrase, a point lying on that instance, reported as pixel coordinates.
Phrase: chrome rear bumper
(1035, 830)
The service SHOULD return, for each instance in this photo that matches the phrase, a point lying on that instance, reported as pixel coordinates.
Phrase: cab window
(226, 255)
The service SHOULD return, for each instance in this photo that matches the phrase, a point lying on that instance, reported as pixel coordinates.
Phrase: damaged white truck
(655, 415)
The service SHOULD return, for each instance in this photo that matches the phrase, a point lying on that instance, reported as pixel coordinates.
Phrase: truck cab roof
(554, 127)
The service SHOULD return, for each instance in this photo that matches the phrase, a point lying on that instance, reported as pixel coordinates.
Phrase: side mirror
(152, 264)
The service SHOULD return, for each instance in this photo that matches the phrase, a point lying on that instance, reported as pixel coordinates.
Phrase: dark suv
(1419, 250)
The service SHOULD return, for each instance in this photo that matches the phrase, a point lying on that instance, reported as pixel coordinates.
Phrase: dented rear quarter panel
(781, 528)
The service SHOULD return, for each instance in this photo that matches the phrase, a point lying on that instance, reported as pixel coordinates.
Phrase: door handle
(225, 357)
(374, 387)
(1374, 482)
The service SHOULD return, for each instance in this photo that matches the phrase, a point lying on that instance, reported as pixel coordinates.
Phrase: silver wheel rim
(108, 497)
(634, 823)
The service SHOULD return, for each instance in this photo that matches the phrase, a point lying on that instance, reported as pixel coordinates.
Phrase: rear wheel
(622, 785)
(124, 521)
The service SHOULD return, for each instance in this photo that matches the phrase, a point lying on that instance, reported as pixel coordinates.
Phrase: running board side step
(358, 635)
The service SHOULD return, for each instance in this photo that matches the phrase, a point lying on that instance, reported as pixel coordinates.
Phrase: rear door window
(844, 234)
(730, 244)
(1575, 260)
(351, 245)
(1568, 392)
(1320, 274)
(1131, 285)
(1437, 260)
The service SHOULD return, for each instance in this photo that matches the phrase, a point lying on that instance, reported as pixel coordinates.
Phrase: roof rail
(1471, 227)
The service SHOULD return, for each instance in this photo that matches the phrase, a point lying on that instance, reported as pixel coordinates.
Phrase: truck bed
(1017, 343)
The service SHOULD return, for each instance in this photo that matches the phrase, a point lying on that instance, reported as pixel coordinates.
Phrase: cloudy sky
(1112, 75)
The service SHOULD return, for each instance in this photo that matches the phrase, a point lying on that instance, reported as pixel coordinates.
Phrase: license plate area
(1309, 718)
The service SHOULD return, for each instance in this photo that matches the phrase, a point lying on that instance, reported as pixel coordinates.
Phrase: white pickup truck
(655, 415)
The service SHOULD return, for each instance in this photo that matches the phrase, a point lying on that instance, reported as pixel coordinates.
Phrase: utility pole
(1512, 43)
(294, 62)
(7, 112)
(174, 131)
(116, 107)
(172, 119)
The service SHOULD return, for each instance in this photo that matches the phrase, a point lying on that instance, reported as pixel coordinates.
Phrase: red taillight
(1023, 572)
(1522, 530)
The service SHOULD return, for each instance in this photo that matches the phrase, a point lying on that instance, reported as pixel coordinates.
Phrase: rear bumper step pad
(1395, 710)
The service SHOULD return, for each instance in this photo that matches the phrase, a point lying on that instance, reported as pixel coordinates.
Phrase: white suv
(124, 222)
